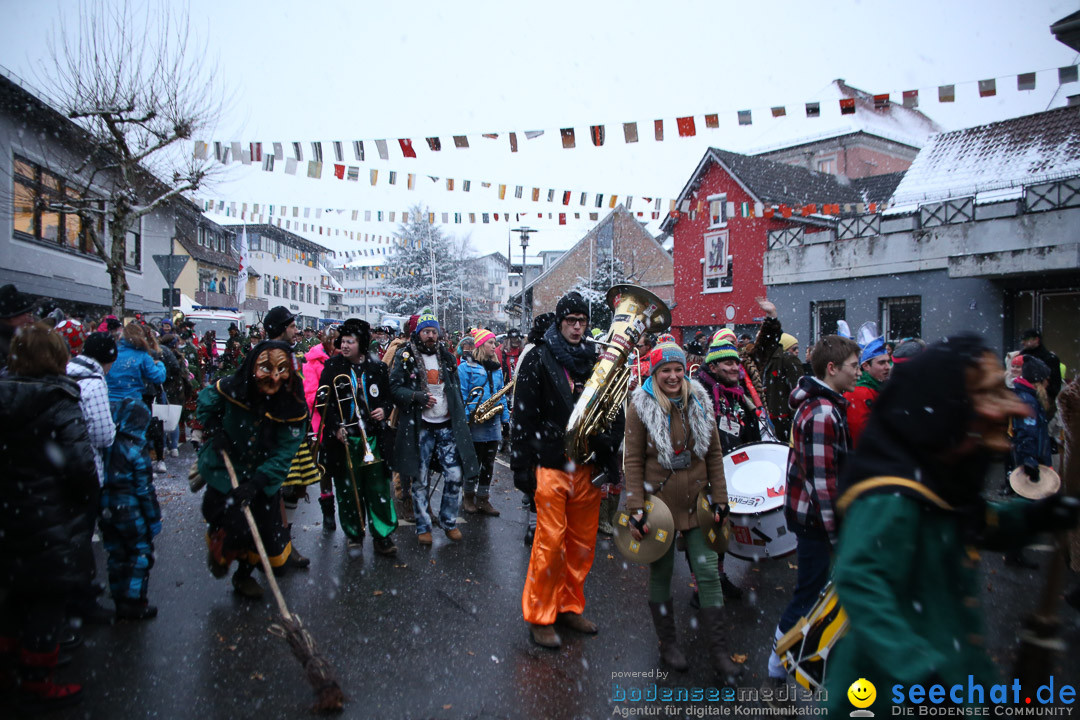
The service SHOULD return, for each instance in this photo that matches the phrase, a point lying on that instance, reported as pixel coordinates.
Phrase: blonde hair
(665, 402)
(485, 352)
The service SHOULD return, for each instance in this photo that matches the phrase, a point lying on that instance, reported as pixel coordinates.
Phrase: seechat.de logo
(862, 694)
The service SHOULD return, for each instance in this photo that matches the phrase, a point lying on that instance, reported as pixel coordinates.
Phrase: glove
(638, 521)
(1053, 514)
(719, 510)
(1032, 471)
(222, 443)
(420, 398)
(244, 493)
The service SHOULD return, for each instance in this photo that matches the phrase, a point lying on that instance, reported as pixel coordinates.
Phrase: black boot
(716, 631)
(663, 618)
(329, 520)
(731, 590)
(1073, 597)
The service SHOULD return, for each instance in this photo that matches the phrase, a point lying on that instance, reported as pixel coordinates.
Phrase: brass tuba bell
(637, 311)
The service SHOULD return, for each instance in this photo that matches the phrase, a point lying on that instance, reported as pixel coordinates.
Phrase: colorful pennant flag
(630, 132)
(406, 147)
(988, 88)
(946, 93)
(597, 134)
(847, 106)
(567, 138)
(1025, 81)
(686, 126)
(745, 117)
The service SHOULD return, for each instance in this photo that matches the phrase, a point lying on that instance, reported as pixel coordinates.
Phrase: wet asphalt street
(433, 633)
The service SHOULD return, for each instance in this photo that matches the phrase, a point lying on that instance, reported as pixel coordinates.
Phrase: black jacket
(543, 402)
(374, 387)
(48, 477)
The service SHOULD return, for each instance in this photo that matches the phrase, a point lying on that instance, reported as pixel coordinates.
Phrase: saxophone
(490, 407)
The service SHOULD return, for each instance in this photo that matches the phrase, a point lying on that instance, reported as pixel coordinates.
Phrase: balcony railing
(259, 305)
(215, 299)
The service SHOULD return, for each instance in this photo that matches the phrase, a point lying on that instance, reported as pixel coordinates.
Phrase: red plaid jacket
(819, 442)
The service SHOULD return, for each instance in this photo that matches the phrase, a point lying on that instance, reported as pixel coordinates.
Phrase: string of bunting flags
(685, 126)
(293, 217)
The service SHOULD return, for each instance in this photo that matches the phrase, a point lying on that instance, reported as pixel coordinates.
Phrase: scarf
(867, 380)
(577, 359)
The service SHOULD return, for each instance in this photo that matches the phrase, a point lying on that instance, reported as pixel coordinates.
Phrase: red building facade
(721, 232)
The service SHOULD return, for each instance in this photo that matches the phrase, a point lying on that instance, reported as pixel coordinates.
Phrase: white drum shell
(756, 477)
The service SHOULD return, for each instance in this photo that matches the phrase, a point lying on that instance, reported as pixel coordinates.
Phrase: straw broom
(330, 698)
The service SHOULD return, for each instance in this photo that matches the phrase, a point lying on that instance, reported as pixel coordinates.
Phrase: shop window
(901, 317)
(825, 316)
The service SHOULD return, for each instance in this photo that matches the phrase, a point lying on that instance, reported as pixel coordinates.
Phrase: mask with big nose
(272, 369)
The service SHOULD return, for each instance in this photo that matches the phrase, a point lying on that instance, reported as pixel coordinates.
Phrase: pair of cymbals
(661, 527)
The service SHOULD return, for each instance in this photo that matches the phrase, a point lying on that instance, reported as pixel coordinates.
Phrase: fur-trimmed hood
(702, 420)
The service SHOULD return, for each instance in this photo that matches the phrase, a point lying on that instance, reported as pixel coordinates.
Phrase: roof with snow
(892, 121)
(878, 188)
(772, 182)
(1002, 155)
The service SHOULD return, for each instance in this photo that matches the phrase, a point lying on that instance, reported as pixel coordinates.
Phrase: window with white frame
(266, 285)
(827, 165)
(825, 316)
(901, 317)
(718, 211)
(716, 273)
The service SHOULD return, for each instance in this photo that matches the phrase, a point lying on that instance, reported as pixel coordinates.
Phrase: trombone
(341, 381)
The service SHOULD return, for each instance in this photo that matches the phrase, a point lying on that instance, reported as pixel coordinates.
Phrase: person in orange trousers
(567, 515)
(550, 379)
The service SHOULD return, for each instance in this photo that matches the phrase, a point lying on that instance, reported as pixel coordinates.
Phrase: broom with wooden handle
(330, 698)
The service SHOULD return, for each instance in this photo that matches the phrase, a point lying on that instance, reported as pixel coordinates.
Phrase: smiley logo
(862, 693)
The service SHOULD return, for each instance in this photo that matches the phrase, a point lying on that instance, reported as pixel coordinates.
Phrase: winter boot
(38, 692)
(605, 527)
(243, 584)
(135, 610)
(329, 521)
(731, 590)
(468, 503)
(663, 618)
(716, 631)
(485, 507)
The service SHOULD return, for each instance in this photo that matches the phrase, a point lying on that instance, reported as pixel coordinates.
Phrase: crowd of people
(890, 445)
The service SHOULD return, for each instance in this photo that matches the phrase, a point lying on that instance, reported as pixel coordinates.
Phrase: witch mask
(272, 369)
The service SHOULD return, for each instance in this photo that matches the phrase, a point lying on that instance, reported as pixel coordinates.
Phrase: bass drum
(756, 478)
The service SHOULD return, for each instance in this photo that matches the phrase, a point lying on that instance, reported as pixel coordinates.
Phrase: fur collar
(656, 422)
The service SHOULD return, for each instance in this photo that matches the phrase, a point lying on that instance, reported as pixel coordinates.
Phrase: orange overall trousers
(567, 514)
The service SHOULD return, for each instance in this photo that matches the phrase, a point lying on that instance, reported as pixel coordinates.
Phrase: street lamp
(524, 232)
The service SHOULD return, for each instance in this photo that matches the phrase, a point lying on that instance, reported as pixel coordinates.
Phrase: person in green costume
(906, 568)
(357, 408)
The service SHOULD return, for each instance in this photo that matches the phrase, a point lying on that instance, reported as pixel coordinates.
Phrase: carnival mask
(272, 369)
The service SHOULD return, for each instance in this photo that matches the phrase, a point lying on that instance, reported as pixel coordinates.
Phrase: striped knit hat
(427, 320)
(720, 351)
(666, 352)
(723, 336)
(481, 336)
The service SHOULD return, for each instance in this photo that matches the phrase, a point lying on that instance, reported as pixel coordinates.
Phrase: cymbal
(716, 536)
(1048, 484)
(661, 533)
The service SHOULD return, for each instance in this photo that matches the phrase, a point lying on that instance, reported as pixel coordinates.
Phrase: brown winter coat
(649, 447)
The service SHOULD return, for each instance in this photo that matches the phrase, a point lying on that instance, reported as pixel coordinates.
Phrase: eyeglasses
(582, 322)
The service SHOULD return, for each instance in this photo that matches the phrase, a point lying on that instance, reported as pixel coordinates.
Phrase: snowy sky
(372, 70)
